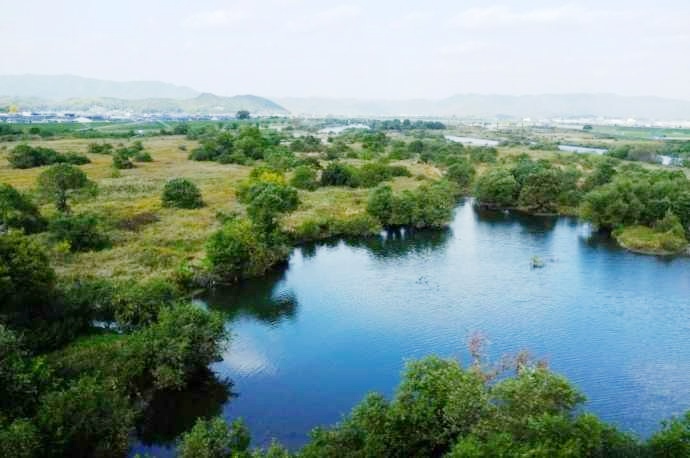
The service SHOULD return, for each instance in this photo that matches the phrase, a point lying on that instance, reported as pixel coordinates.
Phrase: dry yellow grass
(179, 235)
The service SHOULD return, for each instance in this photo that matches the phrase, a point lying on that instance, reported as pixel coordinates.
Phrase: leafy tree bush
(89, 418)
(673, 439)
(440, 407)
(541, 191)
(18, 212)
(337, 174)
(304, 177)
(84, 232)
(181, 193)
(214, 439)
(461, 173)
(75, 158)
(24, 156)
(371, 174)
(26, 279)
(427, 206)
(121, 161)
(20, 439)
(165, 355)
(138, 305)
(59, 181)
(238, 250)
(266, 201)
(143, 156)
(497, 187)
(22, 379)
(100, 148)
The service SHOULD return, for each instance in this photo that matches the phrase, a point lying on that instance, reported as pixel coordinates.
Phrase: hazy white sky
(351, 48)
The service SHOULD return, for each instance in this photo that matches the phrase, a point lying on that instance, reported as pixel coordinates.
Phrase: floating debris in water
(537, 262)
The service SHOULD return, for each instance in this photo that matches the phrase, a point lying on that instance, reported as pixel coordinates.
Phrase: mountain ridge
(497, 105)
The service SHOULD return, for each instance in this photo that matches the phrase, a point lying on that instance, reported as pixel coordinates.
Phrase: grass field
(157, 240)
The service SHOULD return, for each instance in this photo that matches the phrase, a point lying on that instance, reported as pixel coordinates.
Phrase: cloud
(325, 18)
(412, 19)
(502, 16)
(215, 19)
(460, 49)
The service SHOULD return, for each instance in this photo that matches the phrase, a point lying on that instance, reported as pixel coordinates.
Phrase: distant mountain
(201, 104)
(69, 86)
(88, 95)
(492, 106)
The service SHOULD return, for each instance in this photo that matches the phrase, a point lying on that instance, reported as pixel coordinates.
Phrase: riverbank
(648, 241)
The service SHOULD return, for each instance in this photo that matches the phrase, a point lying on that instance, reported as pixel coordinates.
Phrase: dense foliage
(59, 182)
(181, 193)
(428, 206)
(25, 156)
(83, 232)
(18, 212)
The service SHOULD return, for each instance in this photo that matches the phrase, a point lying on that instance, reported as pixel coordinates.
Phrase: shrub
(337, 174)
(24, 156)
(497, 187)
(26, 279)
(461, 173)
(18, 212)
(143, 156)
(89, 418)
(266, 201)
(100, 148)
(75, 159)
(304, 177)
(59, 181)
(541, 190)
(139, 304)
(181, 193)
(121, 161)
(214, 439)
(84, 232)
(374, 173)
(239, 251)
(427, 206)
(20, 439)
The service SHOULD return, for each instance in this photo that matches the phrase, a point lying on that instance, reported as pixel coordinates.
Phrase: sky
(362, 49)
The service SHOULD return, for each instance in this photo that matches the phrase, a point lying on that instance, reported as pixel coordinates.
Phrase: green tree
(541, 191)
(238, 250)
(60, 181)
(181, 193)
(497, 187)
(18, 212)
(304, 177)
(20, 439)
(243, 114)
(88, 418)
(84, 232)
(673, 439)
(266, 201)
(26, 279)
(214, 439)
(461, 173)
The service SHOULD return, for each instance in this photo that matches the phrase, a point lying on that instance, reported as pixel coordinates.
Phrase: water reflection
(172, 412)
(529, 223)
(261, 299)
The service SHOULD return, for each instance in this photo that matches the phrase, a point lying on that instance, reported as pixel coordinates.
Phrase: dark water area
(343, 317)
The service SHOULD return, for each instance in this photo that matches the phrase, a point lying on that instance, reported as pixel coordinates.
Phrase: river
(341, 319)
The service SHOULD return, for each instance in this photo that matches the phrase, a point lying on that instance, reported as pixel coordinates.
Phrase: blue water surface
(310, 340)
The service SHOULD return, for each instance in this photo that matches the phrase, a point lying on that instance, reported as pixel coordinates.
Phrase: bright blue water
(341, 320)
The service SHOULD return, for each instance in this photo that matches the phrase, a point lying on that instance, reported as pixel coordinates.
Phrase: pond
(472, 141)
(581, 149)
(341, 319)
